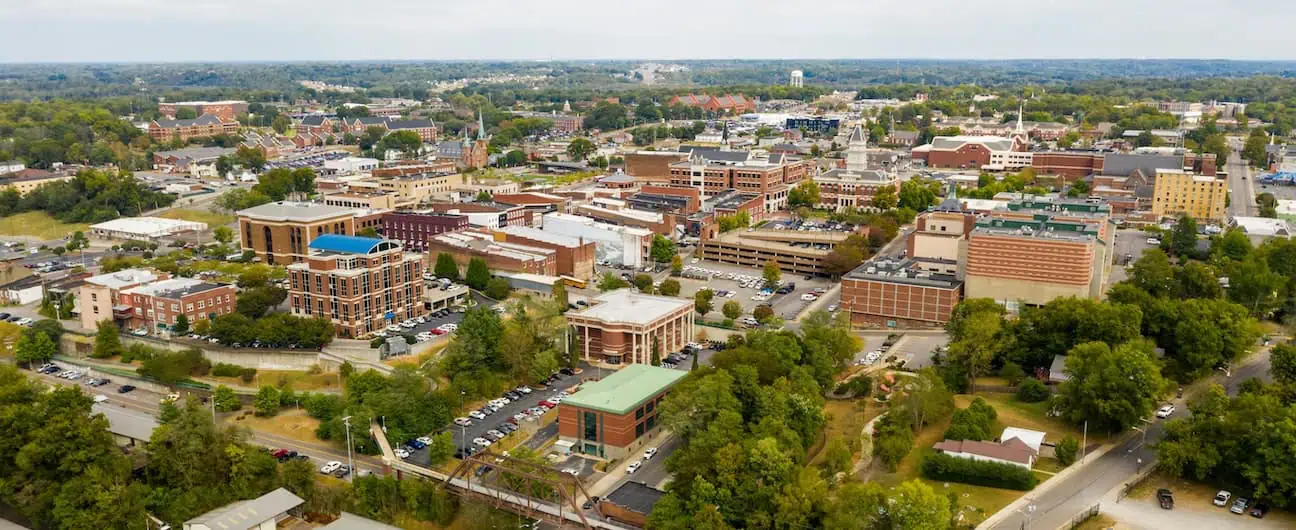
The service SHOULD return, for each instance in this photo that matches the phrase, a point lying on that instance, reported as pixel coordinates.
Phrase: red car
(279, 453)
(548, 404)
(438, 331)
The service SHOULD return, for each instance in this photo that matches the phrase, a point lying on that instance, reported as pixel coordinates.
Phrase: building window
(591, 426)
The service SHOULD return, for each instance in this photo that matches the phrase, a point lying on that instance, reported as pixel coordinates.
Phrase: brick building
(281, 232)
(975, 152)
(465, 245)
(1015, 261)
(612, 417)
(1200, 196)
(887, 293)
(184, 130)
(726, 104)
(624, 326)
(672, 199)
(159, 304)
(228, 110)
(100, 299)
(856, 184)
(796, 252)
(714, 172)
(1072, 165)
(360, 284)
(652, 166)
(484, 214)
(575, 256)
(415, 227)
(315, 123)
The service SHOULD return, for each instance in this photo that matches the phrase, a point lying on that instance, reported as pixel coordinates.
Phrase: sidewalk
(1048, 485)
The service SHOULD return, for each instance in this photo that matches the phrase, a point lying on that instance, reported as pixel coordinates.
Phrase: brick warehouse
(892, 294)
(611, 417)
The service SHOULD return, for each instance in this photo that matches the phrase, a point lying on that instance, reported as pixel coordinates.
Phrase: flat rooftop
(635, 496)
(541, 235)
(174, 288)
(905, 272)
(123, 278)
(627, 306)
(296, 211)
(623, 391)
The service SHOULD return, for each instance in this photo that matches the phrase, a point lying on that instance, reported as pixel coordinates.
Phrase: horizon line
(632, 59)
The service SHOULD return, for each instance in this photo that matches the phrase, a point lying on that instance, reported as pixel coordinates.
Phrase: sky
(331, 30)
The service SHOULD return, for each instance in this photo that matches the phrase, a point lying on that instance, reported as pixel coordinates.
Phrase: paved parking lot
(1129, 242)
(463, 436)
(786, 306)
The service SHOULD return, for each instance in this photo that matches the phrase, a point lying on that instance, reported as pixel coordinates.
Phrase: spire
(567, 105)
(1021, 109)
(481, 126)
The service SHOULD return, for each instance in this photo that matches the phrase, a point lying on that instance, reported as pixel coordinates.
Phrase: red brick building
(612, 417)
(315, 123)
(726, 104)
(714, 172)
(228, 110)
(415, 228)
(465, 245)
(184, 130)
(891, 294)
(159, 304)
(360, 284)
(575, 256)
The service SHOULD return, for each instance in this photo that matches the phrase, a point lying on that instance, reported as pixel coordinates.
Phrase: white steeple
(857, 149)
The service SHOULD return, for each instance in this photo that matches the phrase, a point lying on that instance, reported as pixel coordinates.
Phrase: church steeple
(857, 149)
(481, 126)
(566, 105)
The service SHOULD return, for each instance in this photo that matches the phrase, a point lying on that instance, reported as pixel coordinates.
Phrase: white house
(1032, 439)
(261, 513)
(1013, 451)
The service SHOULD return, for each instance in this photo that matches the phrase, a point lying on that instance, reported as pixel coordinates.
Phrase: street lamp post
(346, 420)
(463, 431)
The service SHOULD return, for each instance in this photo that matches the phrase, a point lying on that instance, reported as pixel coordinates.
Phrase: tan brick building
(99, 296)
(281, 232)
(1200, 196)
(360, 284)
(184, 130)
(624, 326)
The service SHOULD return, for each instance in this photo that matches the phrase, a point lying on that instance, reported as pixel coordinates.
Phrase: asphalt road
(1060, 502)
(653, 471)
(1241, 188)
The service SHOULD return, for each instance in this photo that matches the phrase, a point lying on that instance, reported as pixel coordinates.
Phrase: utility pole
(346, 420)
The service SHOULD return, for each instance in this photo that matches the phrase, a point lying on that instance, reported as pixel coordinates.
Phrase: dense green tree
(478, 274)
(446, 267)
(771, 272)
(1112, 388)
(731, 310)
(1183, 239)
(34, 348)
(669, 287)
(107, 340)
(610, 281)
(1197, 280)
(917, 505)
(579, 148)
(677, 265)
(181, 326)
(498, 288)
(804, 194)
(702, 301)
(1254, 286)
(885, 198)
(919, 194)
(266, 401)
(643, 282)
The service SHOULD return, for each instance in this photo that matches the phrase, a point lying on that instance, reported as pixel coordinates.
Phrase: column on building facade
(587, 343)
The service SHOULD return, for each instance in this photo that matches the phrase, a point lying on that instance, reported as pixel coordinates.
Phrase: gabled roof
(1013, 450)
(243, 515)
(346, 244)
(314, 120)
(350, 521)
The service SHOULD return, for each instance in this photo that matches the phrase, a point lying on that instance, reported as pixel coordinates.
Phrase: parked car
(330, 467)
(649, 453)
(634, 466)
(1240, 505)
(1222, 498)
(463, 422)
(1165, 498)
(481, 442)
(342, 471)
(1165, 411)
(1259, 510)
(402, 454)
(477, 415)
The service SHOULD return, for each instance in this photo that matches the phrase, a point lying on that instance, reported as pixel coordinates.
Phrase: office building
(204, 126)
(280, 232)
(414, 227)
(900, 293)
(612, 417)
(714, 171)
(1033, 262)
(624, 326)
(228, 110)
(360, 284)
(812, 124)
(1178, 192)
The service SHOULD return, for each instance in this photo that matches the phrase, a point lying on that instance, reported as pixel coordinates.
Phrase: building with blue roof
(363, 285)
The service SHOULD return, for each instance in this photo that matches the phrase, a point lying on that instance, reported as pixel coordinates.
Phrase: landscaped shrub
(1032, 391)
(1065, 450)
(860, 386)
(977, 472)
(227, 370)
(973, 423)
(894, 440)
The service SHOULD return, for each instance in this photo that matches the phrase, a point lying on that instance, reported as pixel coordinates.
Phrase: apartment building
(624, 326)
(26, 180)
(611, 418)
(99, 296)
(1200, 196)
(360, 284)
(228, 110)
(207, 125)
(713, 172)
(315, 124)
(726, 104)
(420, 187)
(281, 232)
(158, 305)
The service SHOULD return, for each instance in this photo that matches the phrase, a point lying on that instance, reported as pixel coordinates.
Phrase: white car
(477, 415)
(634, 466)
(1154, 241)
(394, 328)
(402, 454)
(425, 440)
(524, 389)
(463, 422)
(100, 398)
(481, 442)
(330, 467)
(1166, 411)
(652, 451)
(809, 297)
(1222, 498)
(832, 308)
(694, 260)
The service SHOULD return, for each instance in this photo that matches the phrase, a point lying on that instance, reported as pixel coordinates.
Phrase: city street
(1241, 187)
(1058, 503)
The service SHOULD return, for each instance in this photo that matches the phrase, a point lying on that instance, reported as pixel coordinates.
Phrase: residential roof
(993, 143)
(635, 496)
(345, 244)
(127, 423)
(1057, 369)
(1013, 450)
(349, 521)
(1262, 226)
(196, 153)
(409, 124)
(243, 515)
(624, 390)
(314, 120)
(295, 211)
(123, 278)
(1033, 439)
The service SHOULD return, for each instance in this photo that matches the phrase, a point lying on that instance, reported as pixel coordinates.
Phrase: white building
(261, 513)
(144, 228)
(620, 245)
(349, 165)
(11, 166)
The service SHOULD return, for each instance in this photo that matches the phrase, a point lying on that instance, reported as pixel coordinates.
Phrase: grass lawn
(290, 423)
(1052, 465)
(38, 224)
(1032, 416)
(299, 381)
(1097, 522)
(212, 219)
(846, 418)
(9, 333)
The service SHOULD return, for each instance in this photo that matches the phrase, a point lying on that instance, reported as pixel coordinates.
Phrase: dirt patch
(293, 424)
(1101, 522)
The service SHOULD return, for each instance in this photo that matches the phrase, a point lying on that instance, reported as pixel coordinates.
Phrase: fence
(1083, 516)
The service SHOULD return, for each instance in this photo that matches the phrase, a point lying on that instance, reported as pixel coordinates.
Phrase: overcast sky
(259, 30)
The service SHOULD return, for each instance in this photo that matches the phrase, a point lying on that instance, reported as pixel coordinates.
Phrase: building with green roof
(611, 417)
